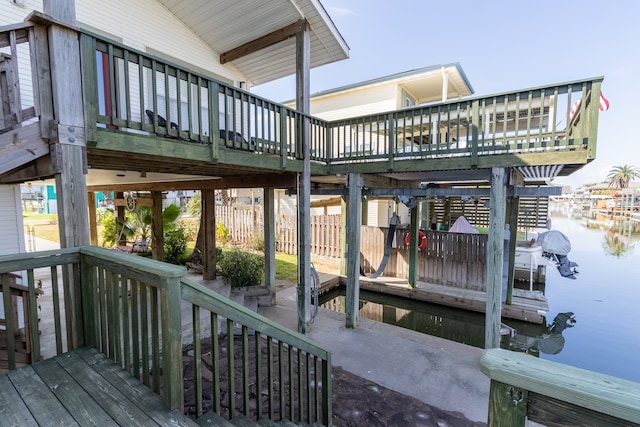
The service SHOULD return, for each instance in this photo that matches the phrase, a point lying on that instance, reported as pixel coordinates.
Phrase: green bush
(257, 242)
(222, 233)
(175, 244)
(239, 268)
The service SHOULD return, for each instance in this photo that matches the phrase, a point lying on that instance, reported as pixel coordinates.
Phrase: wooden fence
(453, 259)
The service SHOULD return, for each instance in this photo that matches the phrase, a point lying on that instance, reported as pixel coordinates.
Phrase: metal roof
(226, 25)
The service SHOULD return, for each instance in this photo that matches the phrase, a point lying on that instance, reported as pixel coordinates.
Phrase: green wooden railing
(553, 394)
(131, 91)
(534, 120)
(129, 308)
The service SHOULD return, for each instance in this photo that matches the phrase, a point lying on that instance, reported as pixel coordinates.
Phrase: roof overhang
(229, 27)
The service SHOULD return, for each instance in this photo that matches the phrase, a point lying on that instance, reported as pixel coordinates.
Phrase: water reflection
(551, 341)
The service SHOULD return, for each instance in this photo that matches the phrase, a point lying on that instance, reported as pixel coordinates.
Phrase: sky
(501, 46)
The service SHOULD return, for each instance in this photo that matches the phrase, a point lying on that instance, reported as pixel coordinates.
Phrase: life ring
(422, 240)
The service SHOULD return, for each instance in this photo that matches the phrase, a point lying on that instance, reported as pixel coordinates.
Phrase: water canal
(604, 301)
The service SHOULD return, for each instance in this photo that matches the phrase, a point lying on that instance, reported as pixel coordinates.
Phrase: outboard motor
(555, 247)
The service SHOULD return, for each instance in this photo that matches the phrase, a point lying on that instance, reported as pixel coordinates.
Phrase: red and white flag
(604, 103)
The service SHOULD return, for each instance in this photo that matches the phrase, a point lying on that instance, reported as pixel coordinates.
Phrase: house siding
(369, 100)
(11, 225)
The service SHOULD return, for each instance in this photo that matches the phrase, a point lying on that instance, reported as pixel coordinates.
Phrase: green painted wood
(147, 401)
(215, 350)
(413, 245)
(138, 268)
(90, 85)
(495, 249)
(269, 242)
(512, 213)
(197, 358)
(231, 383)
(155, 340)
(10, 322)
(135, 329)
(555, 413)
(507, 405)
(34, 334)
(89, 304)
(245, 371)
(354, 212)
(72, 395)
(270, 377)
(35, 394)
(585, 389)
(327, 388)
(26, 261)
(13, 411)
(144, 336)
(257, 342)
(199, 295)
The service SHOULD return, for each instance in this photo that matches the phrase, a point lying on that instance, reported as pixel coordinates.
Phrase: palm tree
(619, 176)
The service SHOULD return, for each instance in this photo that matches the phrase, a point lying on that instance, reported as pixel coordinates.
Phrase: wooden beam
(270, 242)
(157, 227)
(93, 226)
(286, 180)
(354, 219)
(21, 146)
(495, 260)
(263, 42)
(303, 104)
(413, 245)
(209, 260)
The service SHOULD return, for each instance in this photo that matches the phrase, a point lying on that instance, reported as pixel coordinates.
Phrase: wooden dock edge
(528, 310)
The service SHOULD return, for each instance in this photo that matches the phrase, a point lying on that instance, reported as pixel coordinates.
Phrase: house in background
(422, 86)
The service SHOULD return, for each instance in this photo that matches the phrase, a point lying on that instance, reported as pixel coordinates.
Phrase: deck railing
(541, 119)
(129, 308)
(137, 92)
(553, 394)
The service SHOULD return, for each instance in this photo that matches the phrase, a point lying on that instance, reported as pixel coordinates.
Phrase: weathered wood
(507, 405)
(20, 146)
(354, 219)
(157, 227)
(577, 387)
(495, 260)
(270, 242)
(209, 223)
(523, 308)
(13, 411)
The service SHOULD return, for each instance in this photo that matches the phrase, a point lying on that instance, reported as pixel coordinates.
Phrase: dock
(527, 306)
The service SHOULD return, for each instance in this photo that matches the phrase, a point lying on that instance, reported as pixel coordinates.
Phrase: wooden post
(93, 226)
(413, 245)
(68, 151)
(172, 343)
(507, 405)
(208, 202)
(365, 210)
(303, 64)
(354, 221)
(157, 226)
(270, 243)
(512, 209)
(121, 220)
(495, 249)
(343, 236)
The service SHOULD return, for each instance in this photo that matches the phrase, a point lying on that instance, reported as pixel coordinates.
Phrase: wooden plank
(13, 411)
(466, 299)
(149, 402)
(118, 405)
(587, 389)
(36, 395)
(71, 394)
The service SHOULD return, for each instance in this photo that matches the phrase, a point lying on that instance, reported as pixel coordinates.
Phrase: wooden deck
(80, 388)
(526, 306)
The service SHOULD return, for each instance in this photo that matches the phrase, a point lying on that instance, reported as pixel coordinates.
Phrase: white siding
(143, 24)
(361, 102)
(11, 226)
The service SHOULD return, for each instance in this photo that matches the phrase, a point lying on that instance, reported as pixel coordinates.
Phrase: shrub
(257, 242)
(175, 244)
(239, 268)
(222, 233)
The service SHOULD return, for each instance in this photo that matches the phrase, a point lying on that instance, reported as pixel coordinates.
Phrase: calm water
(604, 300)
